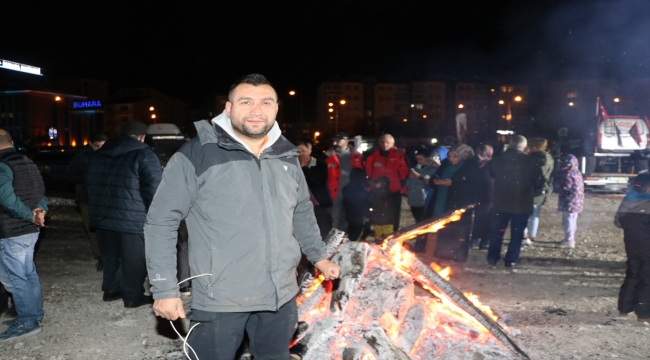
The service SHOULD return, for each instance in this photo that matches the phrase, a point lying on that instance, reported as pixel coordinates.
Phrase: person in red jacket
(389, 161)
(340, 159)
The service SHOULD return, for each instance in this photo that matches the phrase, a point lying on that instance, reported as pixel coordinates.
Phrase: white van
(622, 134)
(165, 140)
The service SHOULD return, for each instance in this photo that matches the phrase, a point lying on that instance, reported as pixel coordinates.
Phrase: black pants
(453, 240)
(635, 292)
(219, 335)
(182, 255)
(482, 223)
(124, 263)
(396, 204)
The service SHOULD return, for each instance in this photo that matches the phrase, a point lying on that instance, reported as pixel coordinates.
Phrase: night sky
(194, 50)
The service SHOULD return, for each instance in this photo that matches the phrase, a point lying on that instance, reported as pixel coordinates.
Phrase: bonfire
(372, 311)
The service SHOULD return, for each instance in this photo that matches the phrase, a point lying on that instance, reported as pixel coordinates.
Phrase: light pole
(616, 101)
(335, 108)
(508, 103)
(293, 93)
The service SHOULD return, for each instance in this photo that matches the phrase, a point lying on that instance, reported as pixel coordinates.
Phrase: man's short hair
(98, 137)
(250, 79)
(518, 142)
(422, 152)
(134, 128)
(298, 143)
(538, 143)
(5, 138)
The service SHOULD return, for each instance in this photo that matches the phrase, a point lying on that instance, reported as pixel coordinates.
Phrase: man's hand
(39, 217)
(414, 174)
(170, 309)
(329, 269)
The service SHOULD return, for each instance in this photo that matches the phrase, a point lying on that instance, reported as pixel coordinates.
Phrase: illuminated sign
(53, 133)
(90, 104)
(10, 65)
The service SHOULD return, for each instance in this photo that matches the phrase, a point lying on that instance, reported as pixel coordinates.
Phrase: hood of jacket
(223, 122)
(121, 145)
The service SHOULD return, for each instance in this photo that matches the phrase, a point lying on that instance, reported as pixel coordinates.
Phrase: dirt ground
(559, 303)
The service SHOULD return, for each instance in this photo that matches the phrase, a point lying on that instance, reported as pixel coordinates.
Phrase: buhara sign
(91, 104)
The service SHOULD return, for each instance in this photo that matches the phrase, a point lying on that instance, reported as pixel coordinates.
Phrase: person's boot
(100, 265)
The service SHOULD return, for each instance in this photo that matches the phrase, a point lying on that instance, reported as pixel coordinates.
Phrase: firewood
(430, 276)
(353, 265)
(382, 345)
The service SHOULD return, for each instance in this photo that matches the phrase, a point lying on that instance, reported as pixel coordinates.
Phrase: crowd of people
(249, 203)
(365, 192)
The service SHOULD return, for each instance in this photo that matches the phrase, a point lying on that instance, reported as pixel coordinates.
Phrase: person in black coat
(356, 202)
(633, 216)
(122, 179)
(482, 211)
(459, 182)
(315, 171)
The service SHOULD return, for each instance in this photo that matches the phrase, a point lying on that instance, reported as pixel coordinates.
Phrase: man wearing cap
(341, 158)
(388, 160)
(122, 179)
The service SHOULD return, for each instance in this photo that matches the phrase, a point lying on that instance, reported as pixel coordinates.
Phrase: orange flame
(444, 273)
(390, 324)
(431, 228)
(317, 282)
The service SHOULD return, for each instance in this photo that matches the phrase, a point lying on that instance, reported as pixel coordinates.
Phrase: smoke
(589, 39)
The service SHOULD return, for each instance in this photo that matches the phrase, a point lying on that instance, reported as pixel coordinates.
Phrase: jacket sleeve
(150, 173)
(403, 170)
(8, 198)
(369, 164)
(171, 203)
(305, 228)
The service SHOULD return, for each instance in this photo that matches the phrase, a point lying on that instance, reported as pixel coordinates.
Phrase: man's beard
(252, 134)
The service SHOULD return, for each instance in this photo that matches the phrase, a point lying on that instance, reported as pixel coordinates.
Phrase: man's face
(453, 158)
(386, 143)
(303, 152)
(252, 110)
(341, 144)
(96, 145)
(421, 159)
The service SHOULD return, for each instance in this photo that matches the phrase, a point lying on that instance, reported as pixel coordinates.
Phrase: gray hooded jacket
(248, 219)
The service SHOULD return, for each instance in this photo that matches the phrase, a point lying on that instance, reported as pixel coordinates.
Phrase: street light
(151, 108)
(336, 109)
(58, 98)
(292, 93)
(517, 98)
(460, 106)
(571, 104)
(616, 101)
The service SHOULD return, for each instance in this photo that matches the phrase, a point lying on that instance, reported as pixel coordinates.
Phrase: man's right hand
(39, 217)
(170, 309)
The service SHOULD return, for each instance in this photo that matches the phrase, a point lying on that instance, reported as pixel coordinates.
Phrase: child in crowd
(355, 200)
(381, 213)
(570, 199)
(633, 217)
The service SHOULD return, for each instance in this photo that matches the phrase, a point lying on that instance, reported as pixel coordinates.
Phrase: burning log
(353, 266)
(373, 313)
(422, 273)
(424, 227)
(332, 243)
(382, 345)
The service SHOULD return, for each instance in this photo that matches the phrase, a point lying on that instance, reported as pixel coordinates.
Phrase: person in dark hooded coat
(459, 182)
(122, 179)
(356, 203)
(633, 216)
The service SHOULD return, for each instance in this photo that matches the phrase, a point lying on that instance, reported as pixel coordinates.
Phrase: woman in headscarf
(457, 185)
(570, 199)
(482, 219)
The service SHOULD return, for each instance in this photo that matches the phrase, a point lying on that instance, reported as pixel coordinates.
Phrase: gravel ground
(560, 303)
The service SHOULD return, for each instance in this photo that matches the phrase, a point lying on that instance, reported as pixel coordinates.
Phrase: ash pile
(372, 312)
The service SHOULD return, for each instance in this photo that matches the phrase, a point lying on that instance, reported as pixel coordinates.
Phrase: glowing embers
(372, 313)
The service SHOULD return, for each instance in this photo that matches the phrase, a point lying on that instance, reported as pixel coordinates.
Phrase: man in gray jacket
(241, 191)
